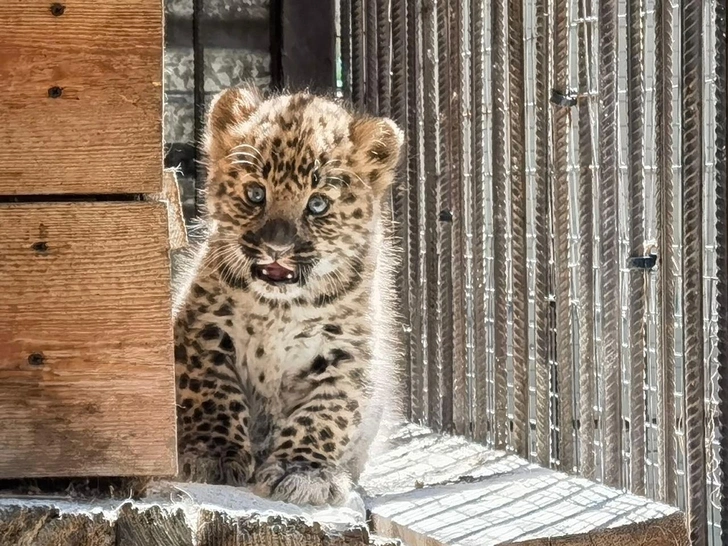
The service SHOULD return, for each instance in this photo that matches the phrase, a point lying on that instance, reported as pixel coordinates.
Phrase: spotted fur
(282, 385)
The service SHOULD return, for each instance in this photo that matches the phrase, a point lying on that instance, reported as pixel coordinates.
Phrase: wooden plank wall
(86, 352)
(81, 97)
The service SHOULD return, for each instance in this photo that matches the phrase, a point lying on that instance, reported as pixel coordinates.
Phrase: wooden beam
(430, 489)
(81, 88)
(159, 521)
(86, 352)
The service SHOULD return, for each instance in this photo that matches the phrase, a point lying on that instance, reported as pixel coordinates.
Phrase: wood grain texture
(160, 522)
(87, 286)
(667, 531)
(429, 489)
(104, 134)
(46, 526)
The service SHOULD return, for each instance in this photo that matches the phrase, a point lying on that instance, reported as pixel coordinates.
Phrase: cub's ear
(229, 109)
(377, 144)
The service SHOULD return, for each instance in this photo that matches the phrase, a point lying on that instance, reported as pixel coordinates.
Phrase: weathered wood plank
(667, 531)
(103, 134)
(46, 526)
(219, 529)
(152, 526)
(429, 489)
(161, 521)
(86, 353)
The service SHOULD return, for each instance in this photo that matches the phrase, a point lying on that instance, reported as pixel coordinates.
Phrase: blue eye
(255, 193)
(318, 205)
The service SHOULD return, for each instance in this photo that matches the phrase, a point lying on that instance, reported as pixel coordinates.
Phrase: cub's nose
(278, 233)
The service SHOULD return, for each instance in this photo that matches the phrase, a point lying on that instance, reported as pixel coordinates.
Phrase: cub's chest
(269, 349)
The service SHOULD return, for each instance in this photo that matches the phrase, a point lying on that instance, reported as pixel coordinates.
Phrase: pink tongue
(277, 272)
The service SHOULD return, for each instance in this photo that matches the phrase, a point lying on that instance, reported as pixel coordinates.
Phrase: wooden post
(86, 363)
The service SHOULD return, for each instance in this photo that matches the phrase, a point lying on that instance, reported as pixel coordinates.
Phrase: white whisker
(245, 162)
(331, 161)
(341, 170)
(253, 157)
(249, 147)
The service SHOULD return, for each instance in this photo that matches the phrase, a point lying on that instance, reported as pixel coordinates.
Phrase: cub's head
(295, 187)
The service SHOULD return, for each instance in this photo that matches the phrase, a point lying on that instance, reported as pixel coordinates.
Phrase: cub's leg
(212, 412)
(303, 465)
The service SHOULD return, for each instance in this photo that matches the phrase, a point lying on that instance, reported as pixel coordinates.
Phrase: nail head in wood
(55, 92)
(36, 359)
(40, 246)
(57, 9)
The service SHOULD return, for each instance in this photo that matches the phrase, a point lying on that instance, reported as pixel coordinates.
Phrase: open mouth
(275, 273)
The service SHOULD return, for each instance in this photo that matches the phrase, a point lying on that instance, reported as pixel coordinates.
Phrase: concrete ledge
(434, 490)
(180, 515)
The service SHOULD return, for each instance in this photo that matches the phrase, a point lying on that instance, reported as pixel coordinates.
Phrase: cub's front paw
(196, 467)
(231, 469)
(303, 483)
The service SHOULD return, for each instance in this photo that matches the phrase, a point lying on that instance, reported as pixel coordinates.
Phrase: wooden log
(152, 525)
(46, 526)
(81, 87)
(184, 522)
(86, 352)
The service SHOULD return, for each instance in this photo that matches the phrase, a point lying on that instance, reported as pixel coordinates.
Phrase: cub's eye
(255, 193)
(317, 205)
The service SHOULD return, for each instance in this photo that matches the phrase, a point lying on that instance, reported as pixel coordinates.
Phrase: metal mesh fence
(564, 283)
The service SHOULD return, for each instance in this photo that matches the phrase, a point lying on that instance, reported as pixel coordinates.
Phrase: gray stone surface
(227, 66)
(248, 9)
(223, 68)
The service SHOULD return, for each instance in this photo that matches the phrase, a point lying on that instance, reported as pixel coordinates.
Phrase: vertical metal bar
(721, 183)
(480, 418)
(635, 128)
(609, 242)
(541, 228)
(459, 24)
(416, 211)
(371, 63)
(384, 56)
(432, 170)
(666, 272)
(198, 65)
(561, 204)
(345, 41)
(587, 372)
(357, 52)
(308, 44)
(519, 266)
(402, 194)
(691, 84)
(448, 180)
(500, 216)
(276, 43)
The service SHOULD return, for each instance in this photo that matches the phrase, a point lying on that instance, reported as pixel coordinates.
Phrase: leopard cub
(285, 331)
